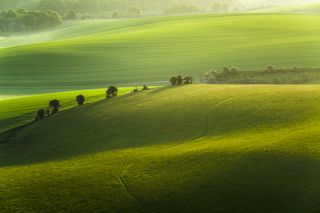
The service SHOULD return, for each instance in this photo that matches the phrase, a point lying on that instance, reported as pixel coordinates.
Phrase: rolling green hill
(90, 54)
(18, 111)
(197, 148)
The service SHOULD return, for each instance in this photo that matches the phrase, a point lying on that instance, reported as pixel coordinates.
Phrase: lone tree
(80, 99)
(179, 79)
(188, 80)
(173, 80)
(55, 105)
(112, 92)
(40, 114)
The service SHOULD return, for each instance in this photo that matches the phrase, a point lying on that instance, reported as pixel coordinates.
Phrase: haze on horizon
(252, 3)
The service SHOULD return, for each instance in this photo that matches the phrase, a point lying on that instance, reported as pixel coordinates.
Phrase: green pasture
(88, 54)
(199, 148)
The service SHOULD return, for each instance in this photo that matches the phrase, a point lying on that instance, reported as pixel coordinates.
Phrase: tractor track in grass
(123, 181)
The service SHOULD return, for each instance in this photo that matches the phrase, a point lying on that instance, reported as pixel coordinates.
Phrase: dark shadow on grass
(92, 129)
(164, 89)
(14, 122)
(255, 182)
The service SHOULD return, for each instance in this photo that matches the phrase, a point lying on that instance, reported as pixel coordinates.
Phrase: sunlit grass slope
(21, 110)
(90, 53)
(194, 148)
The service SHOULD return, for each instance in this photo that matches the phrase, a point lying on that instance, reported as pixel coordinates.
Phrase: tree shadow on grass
(164, 89)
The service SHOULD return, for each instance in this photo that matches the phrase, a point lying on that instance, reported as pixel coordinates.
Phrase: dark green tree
(112, 92)
(55, 105)
(173, 80)
(80, 99)
(188, 80)
(40, 114)
(179, 79)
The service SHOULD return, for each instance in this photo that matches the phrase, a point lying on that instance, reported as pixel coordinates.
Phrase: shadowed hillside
(175, 149)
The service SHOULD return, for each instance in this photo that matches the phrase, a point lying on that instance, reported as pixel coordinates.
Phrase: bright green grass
(21, 110)
(91, 53)
(199, 148)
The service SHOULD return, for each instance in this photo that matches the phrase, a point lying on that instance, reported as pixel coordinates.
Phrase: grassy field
(18, 111)
(89, 54)
(200, 148)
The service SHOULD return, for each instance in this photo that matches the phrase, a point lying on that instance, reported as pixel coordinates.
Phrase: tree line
(269, 75)
(48, 13)
(22, 20)
(55, 105)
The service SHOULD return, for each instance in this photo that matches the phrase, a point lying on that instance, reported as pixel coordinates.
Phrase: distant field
(198, 148)
(21, 110)
(302, 9)
(90, 54)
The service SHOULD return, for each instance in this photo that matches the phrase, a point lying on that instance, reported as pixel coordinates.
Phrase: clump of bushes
(182, 9)
(270, 75)
(22, 20)
(179, 80)
(42, 113)
(144, 88)
(214, 77)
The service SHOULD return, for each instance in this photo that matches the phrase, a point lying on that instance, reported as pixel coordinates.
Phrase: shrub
(234, 71)
(80, 99)
(40, 114)
(225, 71)
(135, 90)
(71, 15)
(179, 79)
(188, 80)
(270, 69)
(55, 105)
(112, 92)
(173, 80)
(145, 87)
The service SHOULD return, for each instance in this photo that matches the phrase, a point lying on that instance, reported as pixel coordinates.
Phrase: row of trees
(182, 8)
(92, 8)
(269, 75)
(54, 105)
(22, 20)
(179, 80)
